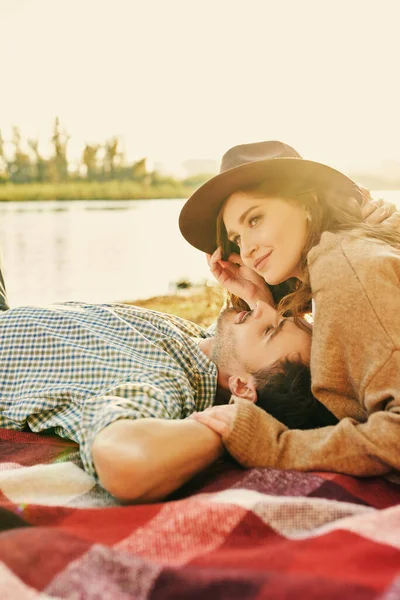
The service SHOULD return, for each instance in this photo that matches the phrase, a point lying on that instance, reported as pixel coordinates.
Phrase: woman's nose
(247, 247)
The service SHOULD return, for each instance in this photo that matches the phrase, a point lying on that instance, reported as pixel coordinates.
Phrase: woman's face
(271, 233)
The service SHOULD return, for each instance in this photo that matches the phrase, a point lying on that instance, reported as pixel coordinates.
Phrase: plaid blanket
(230, 533)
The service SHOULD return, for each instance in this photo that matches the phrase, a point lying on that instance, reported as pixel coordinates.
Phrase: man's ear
(243, 389)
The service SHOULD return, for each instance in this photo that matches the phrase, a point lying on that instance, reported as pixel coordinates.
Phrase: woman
(299, 221)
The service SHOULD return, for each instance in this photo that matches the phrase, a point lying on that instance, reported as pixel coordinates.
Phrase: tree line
(24, 163)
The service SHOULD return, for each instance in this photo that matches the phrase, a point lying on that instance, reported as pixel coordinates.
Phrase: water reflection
(98, 251)
(94, 250)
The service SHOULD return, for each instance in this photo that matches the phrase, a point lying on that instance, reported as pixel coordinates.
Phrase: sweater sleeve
(350, 447)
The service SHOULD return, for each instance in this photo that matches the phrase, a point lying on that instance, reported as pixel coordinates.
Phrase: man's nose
(264, 309)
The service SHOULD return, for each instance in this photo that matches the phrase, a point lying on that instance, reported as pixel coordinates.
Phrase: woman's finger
(236, 259)
(368, 209)
(392, 208)
(215, 256)
(228, 266)
(377, 216)
(224, 412)
(393, 221)
(382, 214)
(380, 211)
(213, 423)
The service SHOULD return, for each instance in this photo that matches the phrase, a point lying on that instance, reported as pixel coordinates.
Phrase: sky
(188, 79)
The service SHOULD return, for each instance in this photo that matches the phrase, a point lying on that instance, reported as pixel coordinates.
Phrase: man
(121, 381)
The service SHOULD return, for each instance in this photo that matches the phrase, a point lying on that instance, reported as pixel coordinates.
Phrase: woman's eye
(267, 330)
(254, 220)
(236, 240)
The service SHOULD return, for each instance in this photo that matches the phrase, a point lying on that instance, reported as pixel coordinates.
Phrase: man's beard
(224, 349)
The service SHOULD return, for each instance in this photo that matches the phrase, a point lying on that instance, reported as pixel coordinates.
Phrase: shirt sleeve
(211, 330)
(3, 295)
(132, 400)
(350, 447)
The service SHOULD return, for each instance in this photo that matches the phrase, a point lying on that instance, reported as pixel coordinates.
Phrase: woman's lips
(261, 261)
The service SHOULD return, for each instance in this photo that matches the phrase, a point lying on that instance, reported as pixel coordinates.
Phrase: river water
(98, 251)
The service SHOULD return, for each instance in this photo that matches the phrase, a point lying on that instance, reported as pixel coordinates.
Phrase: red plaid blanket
(230, 533)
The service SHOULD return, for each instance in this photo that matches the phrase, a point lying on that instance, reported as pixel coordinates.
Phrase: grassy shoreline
(115, 189)
(93, 190)
(199, 304)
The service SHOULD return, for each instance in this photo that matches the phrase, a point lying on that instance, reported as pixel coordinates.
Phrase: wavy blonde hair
(331, 210)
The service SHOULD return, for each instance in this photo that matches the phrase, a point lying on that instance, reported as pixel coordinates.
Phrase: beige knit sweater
(355, 367)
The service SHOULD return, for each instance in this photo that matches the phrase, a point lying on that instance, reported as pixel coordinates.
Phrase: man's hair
(284, 391)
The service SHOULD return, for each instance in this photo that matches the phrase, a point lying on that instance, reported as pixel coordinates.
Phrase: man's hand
(380, 211)
(218, 418)
(238, 279)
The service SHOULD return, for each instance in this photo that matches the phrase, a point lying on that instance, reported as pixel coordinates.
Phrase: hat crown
(248, 153)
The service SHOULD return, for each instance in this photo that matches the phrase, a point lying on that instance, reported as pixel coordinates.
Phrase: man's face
(246, 342)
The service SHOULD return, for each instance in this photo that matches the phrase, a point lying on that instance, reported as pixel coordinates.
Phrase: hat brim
(197, 220)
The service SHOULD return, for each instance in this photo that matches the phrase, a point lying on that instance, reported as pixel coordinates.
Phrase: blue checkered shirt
(78, 367)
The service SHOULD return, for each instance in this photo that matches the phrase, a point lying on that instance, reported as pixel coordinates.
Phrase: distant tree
(20, 167)
(59, 160)
(41, 164)
(112, 155)
(139, 170)
(122, 168)
(89, 159)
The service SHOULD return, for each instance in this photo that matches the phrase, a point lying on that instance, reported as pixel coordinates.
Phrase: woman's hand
(380, 211)
(238, 279)
(218, 418)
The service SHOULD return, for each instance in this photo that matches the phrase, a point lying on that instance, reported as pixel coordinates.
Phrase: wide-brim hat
(246, 165)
